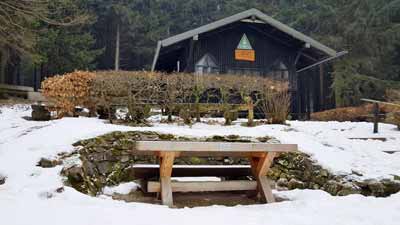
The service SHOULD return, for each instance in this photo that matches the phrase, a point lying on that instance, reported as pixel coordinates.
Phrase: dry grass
(276, 105)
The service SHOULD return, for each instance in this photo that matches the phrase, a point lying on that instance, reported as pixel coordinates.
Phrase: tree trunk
(117, 50)
(3, 63)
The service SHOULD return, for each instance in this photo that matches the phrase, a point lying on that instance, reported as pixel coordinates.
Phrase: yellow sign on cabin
(245, 55)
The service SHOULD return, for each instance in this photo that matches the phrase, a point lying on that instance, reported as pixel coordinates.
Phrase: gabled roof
(241, 16)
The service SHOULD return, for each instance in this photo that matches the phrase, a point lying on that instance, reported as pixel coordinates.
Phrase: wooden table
(261, 156)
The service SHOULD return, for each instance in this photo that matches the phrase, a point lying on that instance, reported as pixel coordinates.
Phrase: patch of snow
(30, 194)
(123, 189)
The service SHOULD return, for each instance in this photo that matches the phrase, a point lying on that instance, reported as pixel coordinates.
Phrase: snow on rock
(123, 189)
(30, 196)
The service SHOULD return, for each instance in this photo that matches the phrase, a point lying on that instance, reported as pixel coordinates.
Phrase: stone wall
(107, 160)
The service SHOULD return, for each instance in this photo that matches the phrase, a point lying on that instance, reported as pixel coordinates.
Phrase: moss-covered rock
(295, 184)
(47, 163)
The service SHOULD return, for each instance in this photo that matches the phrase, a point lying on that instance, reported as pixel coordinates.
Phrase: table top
(175, 146)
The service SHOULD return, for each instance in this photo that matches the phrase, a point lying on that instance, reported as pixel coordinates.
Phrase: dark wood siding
(270, 48)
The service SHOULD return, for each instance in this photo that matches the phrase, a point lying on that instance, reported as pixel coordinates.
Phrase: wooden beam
(166, 163)
(146, 172)
(205, 186)
(321, 87)
(190, 57)
(171, 146)
(260, 167)
(379, 102)
(201, 153)
(264, 187)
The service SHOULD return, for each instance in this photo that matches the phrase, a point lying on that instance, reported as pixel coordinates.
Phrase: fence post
(250, 107)
(197, 108)
(376, 117)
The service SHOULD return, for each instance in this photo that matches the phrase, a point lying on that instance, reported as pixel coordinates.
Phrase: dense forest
(58, 36)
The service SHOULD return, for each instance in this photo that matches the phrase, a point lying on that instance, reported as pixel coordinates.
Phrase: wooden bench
(261, 156)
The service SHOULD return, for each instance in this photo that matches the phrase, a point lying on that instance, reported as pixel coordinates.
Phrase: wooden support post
(197, 109)
(250, 117)
(321, 88)
(166, 163)
(376, 117)
(260, 167)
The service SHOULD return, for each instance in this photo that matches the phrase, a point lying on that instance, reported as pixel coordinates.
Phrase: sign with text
(244, 51)
(245, 55)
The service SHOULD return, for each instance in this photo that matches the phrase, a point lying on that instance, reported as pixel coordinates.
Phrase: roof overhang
(252, 14)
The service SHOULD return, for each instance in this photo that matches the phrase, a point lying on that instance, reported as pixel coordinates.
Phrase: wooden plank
(263, 185)
(16, 88)
(201, 154)
(205, 186)
(379, 102)
(146, 172)
(171, 146)
(265, 163)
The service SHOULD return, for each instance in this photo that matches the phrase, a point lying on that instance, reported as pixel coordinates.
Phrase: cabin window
(206, 65)
(279, 71)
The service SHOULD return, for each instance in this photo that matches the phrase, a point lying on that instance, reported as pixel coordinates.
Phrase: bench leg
(166, 163)
(260, 167)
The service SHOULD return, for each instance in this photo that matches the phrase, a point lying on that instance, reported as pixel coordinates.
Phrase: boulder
(376, 187)
(74, 174)
(282, 182)
(40, 113)
(332, 187)
(89, 168)
(319, 179)
(391, 186)
(104, 167)
(2, 179)
(349, 189)
(47, 163)
(295, 184)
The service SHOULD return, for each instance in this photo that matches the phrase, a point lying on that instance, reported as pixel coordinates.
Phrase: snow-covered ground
(29, 195)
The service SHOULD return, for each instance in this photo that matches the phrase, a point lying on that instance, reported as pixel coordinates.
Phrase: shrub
(138, 91)
(275, 104)
(68, 91)
(171, 91)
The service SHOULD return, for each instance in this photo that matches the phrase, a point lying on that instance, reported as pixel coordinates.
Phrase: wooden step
(205, 186)
(146, 172)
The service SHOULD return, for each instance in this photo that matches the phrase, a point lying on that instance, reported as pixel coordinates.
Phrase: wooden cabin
(253, 43)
